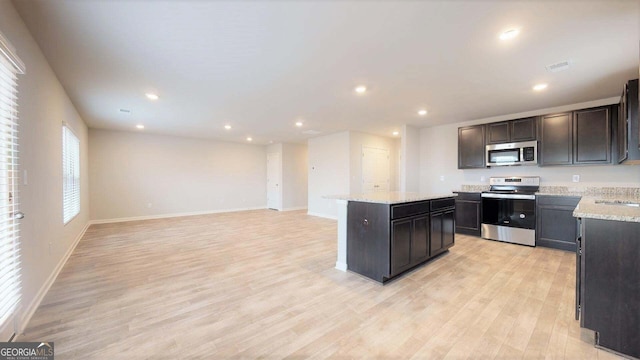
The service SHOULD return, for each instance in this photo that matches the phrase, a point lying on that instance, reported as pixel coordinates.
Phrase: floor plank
(261, 284)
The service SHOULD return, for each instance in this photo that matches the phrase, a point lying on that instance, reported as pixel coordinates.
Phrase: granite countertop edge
(390, 197)
(588, 209)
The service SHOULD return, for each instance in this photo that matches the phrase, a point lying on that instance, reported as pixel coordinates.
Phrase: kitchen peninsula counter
(382, 235)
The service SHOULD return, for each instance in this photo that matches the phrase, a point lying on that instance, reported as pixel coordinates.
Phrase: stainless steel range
(509, 209)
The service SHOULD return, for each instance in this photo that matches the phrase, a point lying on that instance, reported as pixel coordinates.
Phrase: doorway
(375, 169)
(274, 180)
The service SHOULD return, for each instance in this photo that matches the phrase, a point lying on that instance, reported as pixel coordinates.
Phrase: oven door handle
(508, 196)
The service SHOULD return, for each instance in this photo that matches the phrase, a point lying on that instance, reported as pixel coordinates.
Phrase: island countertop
(610, 207)
(390, 197)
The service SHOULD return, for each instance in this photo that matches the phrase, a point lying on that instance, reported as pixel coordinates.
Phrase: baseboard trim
(44, 289)
(295, 208)
(322, 215)
(164, 216)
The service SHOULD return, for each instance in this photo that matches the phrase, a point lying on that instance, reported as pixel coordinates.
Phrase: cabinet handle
(365, 222)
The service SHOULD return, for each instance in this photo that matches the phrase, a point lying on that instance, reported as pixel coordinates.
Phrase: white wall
(43, 105)
(410, 159)
(176, 175)
(335, 167)
(328, 172)
(294, 176)
(357, 141)
(439, 157)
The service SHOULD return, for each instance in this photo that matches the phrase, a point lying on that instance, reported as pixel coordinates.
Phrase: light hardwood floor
(261, 284)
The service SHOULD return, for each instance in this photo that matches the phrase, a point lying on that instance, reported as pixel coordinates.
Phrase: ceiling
(261, 66)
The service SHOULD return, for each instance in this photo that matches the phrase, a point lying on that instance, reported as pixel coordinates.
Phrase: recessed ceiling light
(540, 87)
(249, 139)
(395, 133)
(361, 89)
(228, 127)
(299, 123)
(509, 34)
(422, 112)
(140, 126)
(151, 96)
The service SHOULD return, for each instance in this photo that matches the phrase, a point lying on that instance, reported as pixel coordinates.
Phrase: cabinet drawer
(558, 200)
(442, 204)
(409, 209)
(470, 196)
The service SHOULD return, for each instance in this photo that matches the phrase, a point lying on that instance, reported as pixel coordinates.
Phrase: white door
(274, 174)
(375, 169)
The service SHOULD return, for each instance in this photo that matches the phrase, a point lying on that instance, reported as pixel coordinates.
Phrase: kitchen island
(382, 235)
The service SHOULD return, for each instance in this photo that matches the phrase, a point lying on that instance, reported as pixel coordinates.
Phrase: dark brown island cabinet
(468, 213)
(608, 283)
(555, 225)
(385, 240)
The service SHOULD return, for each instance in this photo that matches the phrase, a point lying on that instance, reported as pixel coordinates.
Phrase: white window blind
(70, 173)
(10, 288)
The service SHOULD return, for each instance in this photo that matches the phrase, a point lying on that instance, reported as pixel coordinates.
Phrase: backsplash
(474, 188)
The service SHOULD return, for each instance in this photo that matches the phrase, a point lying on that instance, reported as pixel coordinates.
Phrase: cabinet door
(436, 234)
(498, 132)
(471, 150)
(622, 128)
(555, 225)
(592, 136)
(556, 135)
(468, 217)
(524, 129)
(400, 245)
(448, 228)
(420, 240)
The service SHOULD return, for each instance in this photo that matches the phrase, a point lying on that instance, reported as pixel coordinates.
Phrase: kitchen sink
(618, 202)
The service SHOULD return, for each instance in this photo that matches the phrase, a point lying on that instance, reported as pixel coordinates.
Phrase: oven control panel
(515, 181)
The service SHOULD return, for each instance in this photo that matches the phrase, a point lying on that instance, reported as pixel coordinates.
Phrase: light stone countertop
(391, 197)
(589, 208)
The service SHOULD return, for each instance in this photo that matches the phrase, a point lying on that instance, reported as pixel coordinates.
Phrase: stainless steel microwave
(520, 153)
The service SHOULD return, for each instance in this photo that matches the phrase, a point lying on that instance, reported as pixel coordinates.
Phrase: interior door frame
(275, 204)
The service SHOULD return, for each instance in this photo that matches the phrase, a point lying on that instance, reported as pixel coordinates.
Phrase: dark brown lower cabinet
(609, 284)
(555, 225)
(442, 231)
(468, 213)
(409, 243)
(385, 240)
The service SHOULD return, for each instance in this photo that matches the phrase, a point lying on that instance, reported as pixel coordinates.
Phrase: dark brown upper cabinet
(498, 133)
(524, 129)
(512, 131)
(592, 136)
(576, 138)
(556, 134)
(471, 150)
(628, 128)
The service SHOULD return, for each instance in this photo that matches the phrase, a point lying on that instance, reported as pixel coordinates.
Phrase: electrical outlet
(576, 178)
(441, 177)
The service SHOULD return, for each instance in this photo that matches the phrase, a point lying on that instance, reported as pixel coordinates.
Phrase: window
(70, 174)
(10, 289)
